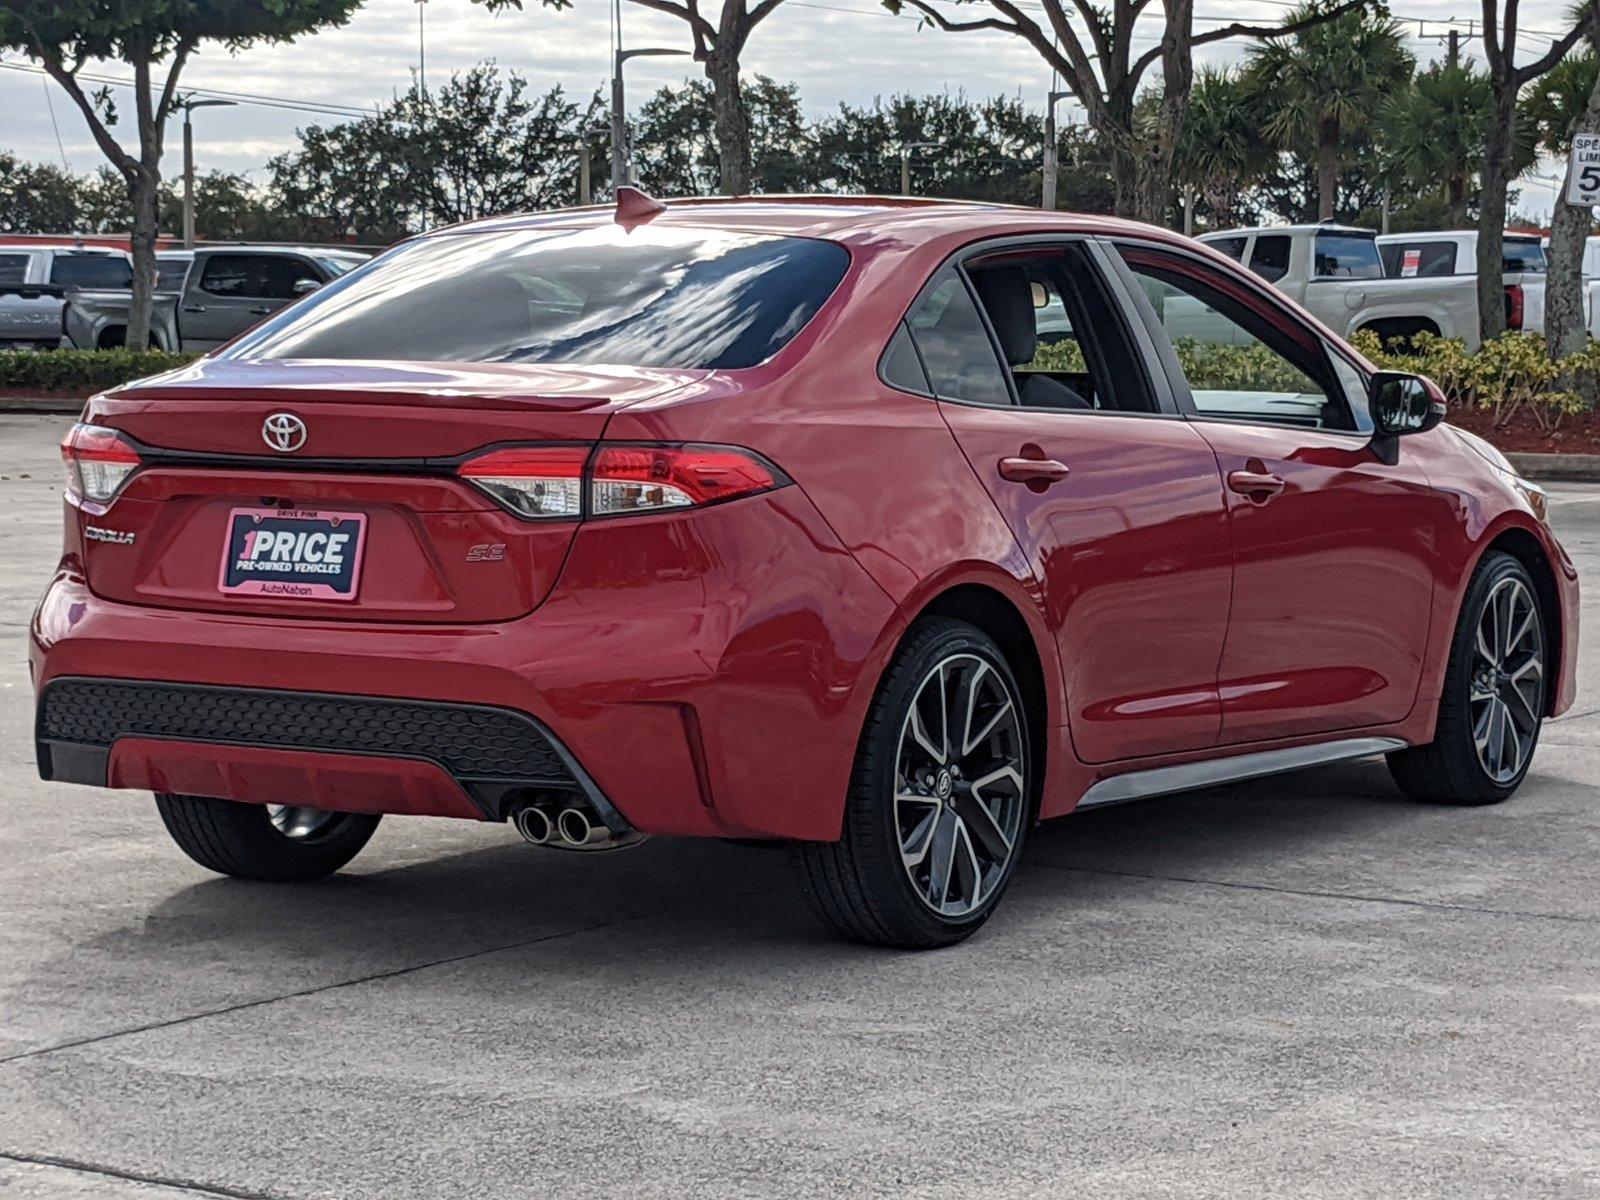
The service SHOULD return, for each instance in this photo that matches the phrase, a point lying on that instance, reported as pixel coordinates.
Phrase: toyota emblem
(284, 432)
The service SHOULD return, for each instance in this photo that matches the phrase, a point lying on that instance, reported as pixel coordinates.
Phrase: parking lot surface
(1302, 986)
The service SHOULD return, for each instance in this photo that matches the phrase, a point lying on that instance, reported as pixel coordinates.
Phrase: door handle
(1257, 485)
(194, 308)
(259, 312)
(1033, 470)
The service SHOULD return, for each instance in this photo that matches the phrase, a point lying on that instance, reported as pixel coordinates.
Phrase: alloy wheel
(960, 785)
(1507, 688)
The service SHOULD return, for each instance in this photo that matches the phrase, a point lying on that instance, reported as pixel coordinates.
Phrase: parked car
(1451, 254)
(1337, 272)
(761, 520)
(227, 289)
(71, 295)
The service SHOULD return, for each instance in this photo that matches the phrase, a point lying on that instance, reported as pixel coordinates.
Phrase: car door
(1332, 590)
(233, 291)
(1116, 502)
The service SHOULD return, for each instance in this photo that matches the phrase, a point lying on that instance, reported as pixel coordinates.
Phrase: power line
(252, 98)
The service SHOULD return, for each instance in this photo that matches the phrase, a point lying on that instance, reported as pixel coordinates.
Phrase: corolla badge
(284, 432)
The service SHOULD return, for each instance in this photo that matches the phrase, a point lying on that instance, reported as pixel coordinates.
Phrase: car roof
(64, 247)
(841, 218)
(1320, 227)
(279, 248)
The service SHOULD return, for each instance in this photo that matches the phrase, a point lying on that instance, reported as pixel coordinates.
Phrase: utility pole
(1048, 200)
(1452, 55)
(188, 164)
(905, 163)
(422, 49)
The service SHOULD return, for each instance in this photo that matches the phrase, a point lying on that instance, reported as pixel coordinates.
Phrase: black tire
(241, 840)
(1449, 769)
(859, 885)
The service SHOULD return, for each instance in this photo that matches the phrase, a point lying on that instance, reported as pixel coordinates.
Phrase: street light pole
(422, 49)
(1049, 197)
(189, 106)
(619, 121)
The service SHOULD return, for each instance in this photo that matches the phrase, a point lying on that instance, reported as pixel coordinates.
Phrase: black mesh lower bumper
(489, 751)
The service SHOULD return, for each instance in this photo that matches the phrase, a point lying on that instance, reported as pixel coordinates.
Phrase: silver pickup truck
(75, 296)
(223, 290)
(79, 296)
(1337, 271)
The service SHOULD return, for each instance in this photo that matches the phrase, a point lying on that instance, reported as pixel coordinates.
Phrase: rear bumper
(697, 680)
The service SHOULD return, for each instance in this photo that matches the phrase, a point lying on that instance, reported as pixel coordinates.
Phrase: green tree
(1103, 54)
(1434, 132)
(36, 197)
(1565, 102)
(156, 39)
(981, 149)
(1507, 81)
(1327, 84)
(675, 144)
(480, 145)
(1221, 152)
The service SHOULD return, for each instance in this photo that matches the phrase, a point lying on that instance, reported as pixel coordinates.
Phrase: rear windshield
(1522, 256)
(1347, 256)
(92, 271)
(650, 297)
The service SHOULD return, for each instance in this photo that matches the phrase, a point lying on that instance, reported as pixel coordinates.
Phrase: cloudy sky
(837, 50)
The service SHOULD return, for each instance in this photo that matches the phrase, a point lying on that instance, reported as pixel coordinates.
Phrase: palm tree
(1435, 130)
(1326, 83)
(1220, 151)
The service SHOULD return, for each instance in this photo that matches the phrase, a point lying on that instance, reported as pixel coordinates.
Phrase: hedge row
(80, 372)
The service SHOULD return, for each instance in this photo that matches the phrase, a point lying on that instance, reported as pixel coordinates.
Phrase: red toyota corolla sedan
(882, 527)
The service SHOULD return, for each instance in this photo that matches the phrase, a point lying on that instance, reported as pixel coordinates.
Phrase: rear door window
(955, 346)
(1269, 257)
(1418, 259)
(1346, 256)
(1233, 247)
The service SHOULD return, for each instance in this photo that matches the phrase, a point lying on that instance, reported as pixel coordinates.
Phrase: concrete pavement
(1303, 986)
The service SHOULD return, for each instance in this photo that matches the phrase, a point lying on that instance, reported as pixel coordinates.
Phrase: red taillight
(533, 481)
(626, 479)
(561, 481)
(1514, 306)
(98, 462)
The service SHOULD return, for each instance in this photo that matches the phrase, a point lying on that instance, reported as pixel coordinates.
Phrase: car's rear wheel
(275, 842)
(940, 800)
(1494, 695)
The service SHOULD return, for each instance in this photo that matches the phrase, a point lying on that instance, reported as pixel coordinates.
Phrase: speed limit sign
(1583, 175)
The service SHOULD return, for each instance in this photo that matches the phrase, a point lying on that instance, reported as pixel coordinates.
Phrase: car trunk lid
(372, 455)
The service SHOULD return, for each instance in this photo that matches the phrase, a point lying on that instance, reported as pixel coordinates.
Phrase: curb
(68, 405)
(1558, 468)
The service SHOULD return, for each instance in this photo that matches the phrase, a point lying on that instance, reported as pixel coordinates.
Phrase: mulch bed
(1578, 433)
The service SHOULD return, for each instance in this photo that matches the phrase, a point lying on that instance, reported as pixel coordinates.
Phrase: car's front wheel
(940, 800)
(1494, 695)
(276, 842)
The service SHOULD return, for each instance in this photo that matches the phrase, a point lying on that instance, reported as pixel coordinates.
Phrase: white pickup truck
(1337, 272)
(1455, 253)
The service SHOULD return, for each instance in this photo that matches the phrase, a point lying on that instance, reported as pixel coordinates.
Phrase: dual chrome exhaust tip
(570, 828)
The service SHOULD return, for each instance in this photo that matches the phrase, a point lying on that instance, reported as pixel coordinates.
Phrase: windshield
(336, 266)
(1522, 256)
(1347, 256)
(650, 297)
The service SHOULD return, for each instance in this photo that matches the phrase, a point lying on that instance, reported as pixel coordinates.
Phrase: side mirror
(1401, 403)
(304, 287)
